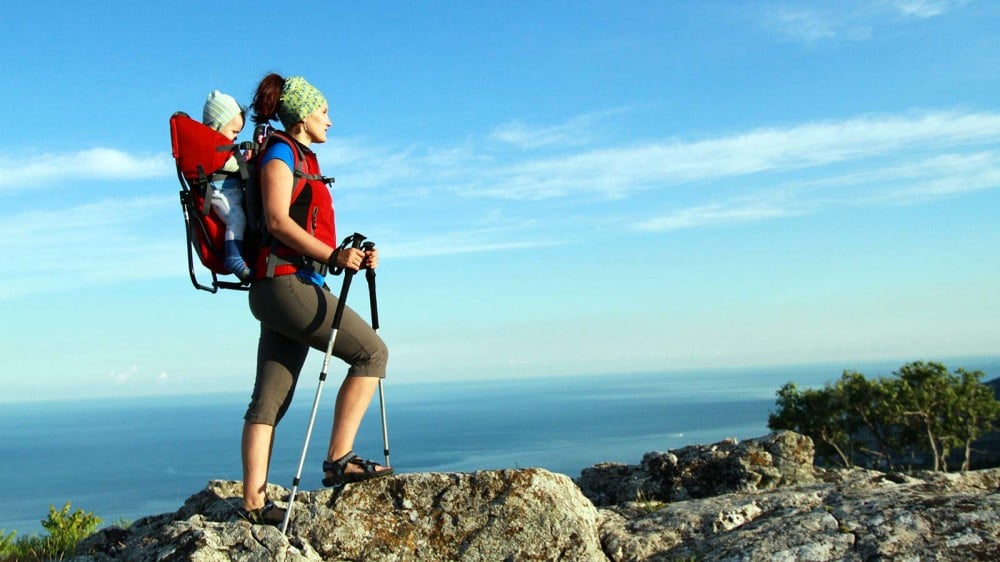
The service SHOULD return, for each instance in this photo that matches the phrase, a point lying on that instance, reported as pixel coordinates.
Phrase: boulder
(782, 458)
(757, 500)
(847, 515)
(528, 514)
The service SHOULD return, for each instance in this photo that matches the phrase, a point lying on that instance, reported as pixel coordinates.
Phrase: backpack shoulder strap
(299, 206)
(299, 159)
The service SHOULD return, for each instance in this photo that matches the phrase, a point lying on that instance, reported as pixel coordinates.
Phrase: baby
(223, 114)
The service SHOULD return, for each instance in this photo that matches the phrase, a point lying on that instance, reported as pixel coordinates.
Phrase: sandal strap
(257, 516)
(367, 466)
(340, 464)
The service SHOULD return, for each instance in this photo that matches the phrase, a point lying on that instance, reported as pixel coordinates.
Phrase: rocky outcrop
(783, 458)
(755, 500)
(528, 514)
(853, 515)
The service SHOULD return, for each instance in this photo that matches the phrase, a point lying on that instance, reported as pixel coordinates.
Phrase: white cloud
(521, 135)
(944, 176)
(910, 182)
(714, 214)
(923, 9)
(733, 178)
(615, 172)
(133, 375)
(814, 22)
(75, 220)
(123, 377)
(574, 132)
(20, 173)
(807, 26)
(415, 175)
(100, 242)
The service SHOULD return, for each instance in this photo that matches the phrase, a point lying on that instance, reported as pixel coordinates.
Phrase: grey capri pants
(294, 316)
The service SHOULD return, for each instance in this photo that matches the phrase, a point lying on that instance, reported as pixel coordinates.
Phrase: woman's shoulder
(278, 149)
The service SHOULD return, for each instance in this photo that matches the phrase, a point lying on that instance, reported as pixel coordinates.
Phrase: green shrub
(65, 531)
(6, 543)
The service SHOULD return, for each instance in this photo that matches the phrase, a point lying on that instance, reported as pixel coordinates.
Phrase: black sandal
(270, 514)
(340, 477)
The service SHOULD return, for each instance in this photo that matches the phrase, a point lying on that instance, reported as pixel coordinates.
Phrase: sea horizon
(126, 458)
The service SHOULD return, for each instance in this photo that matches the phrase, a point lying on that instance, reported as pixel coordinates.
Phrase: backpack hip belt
(299, 262)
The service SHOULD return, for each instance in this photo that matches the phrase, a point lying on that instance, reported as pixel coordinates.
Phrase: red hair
(267, 98)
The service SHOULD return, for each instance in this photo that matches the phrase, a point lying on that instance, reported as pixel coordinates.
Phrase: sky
(556, 188)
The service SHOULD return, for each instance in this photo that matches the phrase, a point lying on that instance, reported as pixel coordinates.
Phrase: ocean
(127, 458)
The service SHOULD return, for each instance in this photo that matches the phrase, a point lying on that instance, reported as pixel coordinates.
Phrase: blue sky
(557, 188)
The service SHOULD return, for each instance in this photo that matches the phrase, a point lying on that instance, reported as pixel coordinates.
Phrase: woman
(292, 302)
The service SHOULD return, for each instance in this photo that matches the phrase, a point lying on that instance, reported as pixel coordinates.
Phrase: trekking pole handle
(370, 276)
(354, 241)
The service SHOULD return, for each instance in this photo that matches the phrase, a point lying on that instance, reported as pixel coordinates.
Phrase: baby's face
(233, 128)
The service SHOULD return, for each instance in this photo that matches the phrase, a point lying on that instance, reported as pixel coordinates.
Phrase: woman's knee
(262, 414)
(372, 362)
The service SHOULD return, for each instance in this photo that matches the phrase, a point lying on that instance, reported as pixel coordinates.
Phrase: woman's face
(317, 122)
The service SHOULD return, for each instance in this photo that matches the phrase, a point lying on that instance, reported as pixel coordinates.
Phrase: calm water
(124, 459)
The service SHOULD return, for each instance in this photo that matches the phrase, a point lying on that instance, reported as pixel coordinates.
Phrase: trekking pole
(353, 241)
(370, 276)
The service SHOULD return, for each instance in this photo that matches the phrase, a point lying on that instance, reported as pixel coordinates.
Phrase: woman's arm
(276, 182)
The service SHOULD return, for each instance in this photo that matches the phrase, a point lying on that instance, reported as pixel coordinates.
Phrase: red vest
(311, 208)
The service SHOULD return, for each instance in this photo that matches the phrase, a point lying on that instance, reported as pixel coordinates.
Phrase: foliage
(6, 543)
(924, 412)
(65, 530)
(981, 415)
(648, 505)
(870, 410)
(816, 413)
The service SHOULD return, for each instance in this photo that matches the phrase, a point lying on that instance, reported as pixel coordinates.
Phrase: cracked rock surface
(755, 500)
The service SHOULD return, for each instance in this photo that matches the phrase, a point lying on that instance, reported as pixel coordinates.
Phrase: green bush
(65, 530)
(6, 543)
(917, 417)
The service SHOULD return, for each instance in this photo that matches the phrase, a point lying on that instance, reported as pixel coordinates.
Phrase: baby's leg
(226, 202)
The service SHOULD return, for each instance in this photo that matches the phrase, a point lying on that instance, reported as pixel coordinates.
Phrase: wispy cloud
(101, 242)
(736, 178)
(574, 132)
(800, 24)
(937, 177)
(714, 214)
(815, 22)
(924, 9)
(24, 173)
(617, 171)
(133, 375)
(104, 214)
(538, 196)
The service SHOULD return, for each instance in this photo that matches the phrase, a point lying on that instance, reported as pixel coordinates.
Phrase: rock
(528, 514)
(780, 459)
(759, 500)
(855, 515)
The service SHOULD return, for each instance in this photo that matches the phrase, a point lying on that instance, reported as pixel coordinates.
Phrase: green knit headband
(298, 99)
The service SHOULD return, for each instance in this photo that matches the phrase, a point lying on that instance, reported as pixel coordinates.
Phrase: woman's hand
(371, 259)
(355, 259)
(350, 258)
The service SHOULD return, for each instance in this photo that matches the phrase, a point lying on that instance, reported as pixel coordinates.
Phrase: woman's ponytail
(267, 98)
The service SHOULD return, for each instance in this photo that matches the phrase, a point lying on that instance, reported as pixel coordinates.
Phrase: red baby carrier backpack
(200, 152)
